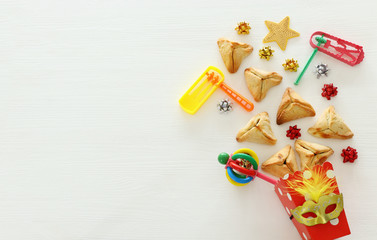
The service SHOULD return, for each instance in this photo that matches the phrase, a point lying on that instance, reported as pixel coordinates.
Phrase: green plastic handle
(320, 41)
(306, 66)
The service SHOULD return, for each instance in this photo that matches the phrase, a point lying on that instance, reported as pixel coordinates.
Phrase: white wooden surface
(93, 144)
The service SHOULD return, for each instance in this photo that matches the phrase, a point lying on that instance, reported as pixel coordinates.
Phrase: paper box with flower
(313, 202)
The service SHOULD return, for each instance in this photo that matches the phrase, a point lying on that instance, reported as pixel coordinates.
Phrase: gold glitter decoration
(266, 53)
(243, 28)
(290, 65)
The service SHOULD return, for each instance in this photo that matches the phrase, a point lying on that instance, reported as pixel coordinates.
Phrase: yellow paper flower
(266, 53)
(243, 28)
(290, 65)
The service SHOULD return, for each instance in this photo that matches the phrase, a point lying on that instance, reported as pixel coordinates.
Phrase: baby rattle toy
(337, 48)
(202, 89)
(241, 161)
(310, 197)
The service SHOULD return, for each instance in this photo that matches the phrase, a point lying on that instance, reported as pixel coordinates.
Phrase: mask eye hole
(330, 208)
(309, 215)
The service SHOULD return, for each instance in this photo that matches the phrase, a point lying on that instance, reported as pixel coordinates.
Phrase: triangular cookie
(258, 130)
(293, 107)
(312, 154)
(281, 163)
(233, 53)
(330, 125)
(259, 82)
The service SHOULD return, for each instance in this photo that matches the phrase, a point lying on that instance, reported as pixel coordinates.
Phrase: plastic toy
(310, 197)
(337, 48)
(242, 156)
(202, 89)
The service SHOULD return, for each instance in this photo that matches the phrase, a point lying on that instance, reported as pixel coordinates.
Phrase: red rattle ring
(249, 172)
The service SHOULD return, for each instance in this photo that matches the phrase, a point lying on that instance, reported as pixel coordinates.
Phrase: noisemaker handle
(246, 104)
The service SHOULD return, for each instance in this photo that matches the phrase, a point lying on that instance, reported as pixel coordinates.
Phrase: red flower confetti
(349, 154)
(329, 91)
(293, 132)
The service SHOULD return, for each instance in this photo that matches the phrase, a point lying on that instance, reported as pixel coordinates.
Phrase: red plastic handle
(249, 172)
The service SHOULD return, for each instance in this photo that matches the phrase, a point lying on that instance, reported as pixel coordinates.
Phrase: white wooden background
(93, 143)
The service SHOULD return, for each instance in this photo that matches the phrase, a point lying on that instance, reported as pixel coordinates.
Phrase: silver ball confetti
(321, 69)
(224, 105)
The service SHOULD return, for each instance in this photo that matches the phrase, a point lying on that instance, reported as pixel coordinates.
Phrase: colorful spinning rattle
(242, 167)
(335, 47)
(205, 85)
(310, 197)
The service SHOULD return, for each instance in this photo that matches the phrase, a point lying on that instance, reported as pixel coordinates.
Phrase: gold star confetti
(280, 33)
(266, 53)
(290, 65)
(243, 28)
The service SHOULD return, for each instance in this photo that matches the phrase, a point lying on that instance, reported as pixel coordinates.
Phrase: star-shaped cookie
(280, 33)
